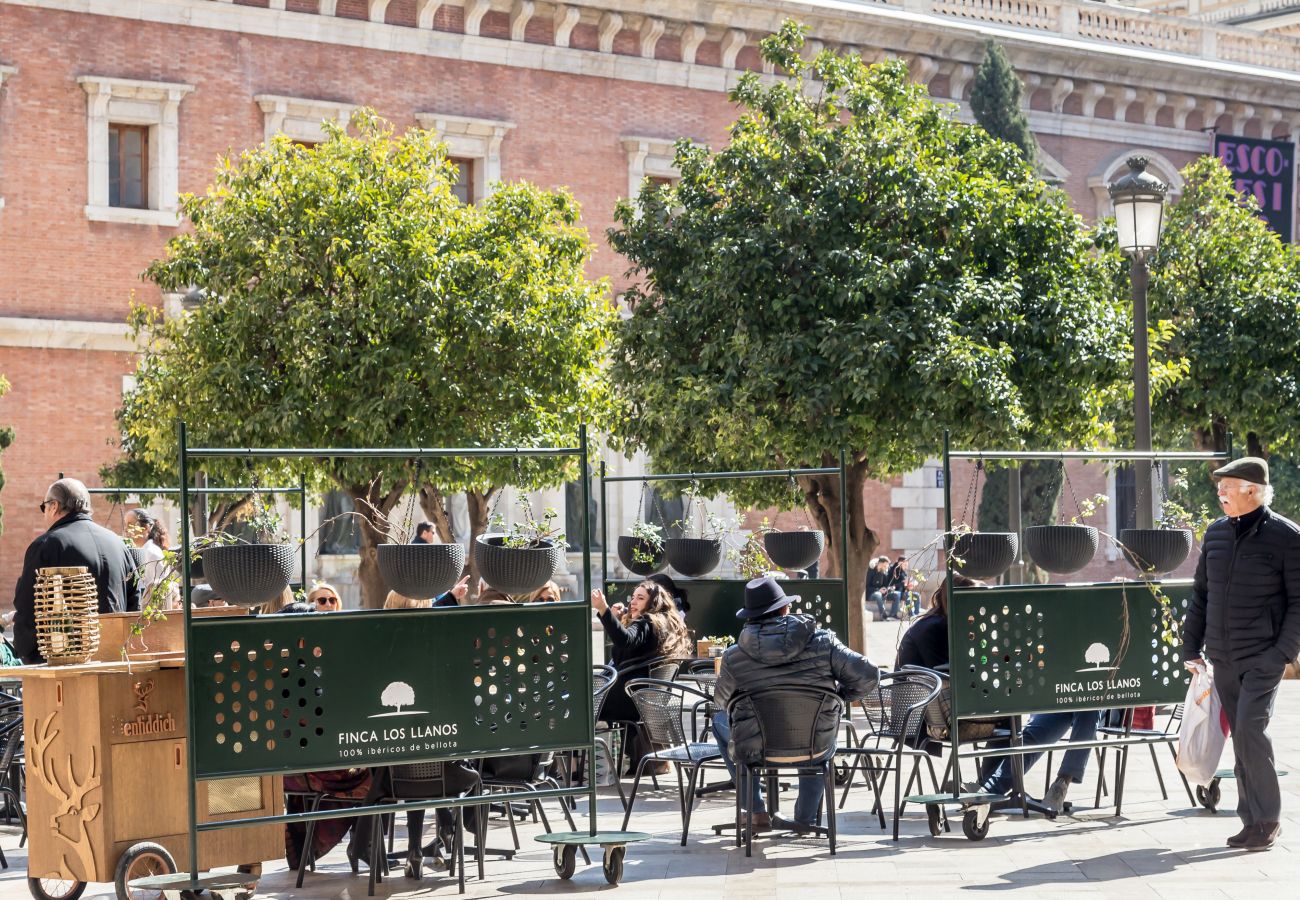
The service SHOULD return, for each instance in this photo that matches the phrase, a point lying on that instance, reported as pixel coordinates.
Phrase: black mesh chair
(11, 742)
(427, 781)
(901, 701)
(1167, 736)
(608, 735)
(787, 719)
(515, 778)
(665, 707)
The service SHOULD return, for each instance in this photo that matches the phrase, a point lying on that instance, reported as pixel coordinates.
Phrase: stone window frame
(475, 139)
(6, 72)
(649, 157)
(299, 118)
(127, 101)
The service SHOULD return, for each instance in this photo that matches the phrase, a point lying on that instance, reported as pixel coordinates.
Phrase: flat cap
(1248, 468)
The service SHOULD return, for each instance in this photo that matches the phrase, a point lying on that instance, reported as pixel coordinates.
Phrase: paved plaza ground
(1158, 848)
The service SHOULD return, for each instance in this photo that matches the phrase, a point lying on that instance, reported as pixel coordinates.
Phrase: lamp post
(1139, 201)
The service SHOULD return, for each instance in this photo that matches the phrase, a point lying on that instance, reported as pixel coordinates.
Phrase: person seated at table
(878, 586)
(677, 593)
(925, 643)
(324, 597)
(648, 628)
(1048, 728)
(777, 650)
(547, 593)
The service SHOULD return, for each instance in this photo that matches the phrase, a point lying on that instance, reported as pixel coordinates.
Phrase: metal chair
(510, 788)
(11, 742)
(902, 701)
(788, 720)
(425, 781)
(664, 707)
(1167, 736)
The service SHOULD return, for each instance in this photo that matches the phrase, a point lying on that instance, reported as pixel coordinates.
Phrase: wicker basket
(67, 615)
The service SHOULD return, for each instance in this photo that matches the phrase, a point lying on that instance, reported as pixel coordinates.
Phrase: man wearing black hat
(776, 650)
(1245, 615)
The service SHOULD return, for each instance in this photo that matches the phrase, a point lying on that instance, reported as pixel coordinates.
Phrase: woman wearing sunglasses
(325, 598)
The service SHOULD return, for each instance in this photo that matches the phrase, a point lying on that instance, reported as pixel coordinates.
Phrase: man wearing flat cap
(778, 650)
(1245, 617)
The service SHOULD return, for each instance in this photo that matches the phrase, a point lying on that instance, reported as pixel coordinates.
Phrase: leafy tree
(353, 302)
(856, 270)
(1229, 290)
(6, 438)
(996, 101)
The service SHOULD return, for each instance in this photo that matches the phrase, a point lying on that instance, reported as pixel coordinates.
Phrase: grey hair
(70, 494)
(1265, 492)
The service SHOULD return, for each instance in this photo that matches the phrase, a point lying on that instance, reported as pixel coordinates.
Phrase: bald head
(70, 495)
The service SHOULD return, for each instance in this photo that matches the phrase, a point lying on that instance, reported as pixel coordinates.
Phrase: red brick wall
(56, 264)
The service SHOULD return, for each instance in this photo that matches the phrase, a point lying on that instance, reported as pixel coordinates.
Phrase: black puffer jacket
(1246, 596)
(790, 651)
(74, 540)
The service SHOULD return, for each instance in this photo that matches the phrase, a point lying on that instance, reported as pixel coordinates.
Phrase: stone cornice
(1070, 47)
(65, 334)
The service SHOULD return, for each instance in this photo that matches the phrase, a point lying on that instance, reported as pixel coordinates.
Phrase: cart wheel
(935, 818)
(1209, 796)
(140, 861)
(566, 860)
(614, 864)
(843, 772)
(55, 888)
(971, 827)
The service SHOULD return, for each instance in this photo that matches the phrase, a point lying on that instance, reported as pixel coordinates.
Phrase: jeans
(878, 598)
(1048, 728)
(811, 784)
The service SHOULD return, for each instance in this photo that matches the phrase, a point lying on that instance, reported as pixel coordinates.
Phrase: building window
(5, 72)
(300, 119)
(133, 150)
(128, 166)
(464, 186)
(471, 143)
(652, 158)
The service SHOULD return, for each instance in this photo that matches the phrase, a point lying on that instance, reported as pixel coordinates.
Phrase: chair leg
(749, 813)
(510, 819)
(636, 784)
(374, 863)
(690, 802)
(1047, 774)
(830, 807)
(306, 857)
(1164, 794)
(898, 792)
(460, 847)
(480, 837)
(740, 792)
(568, 818)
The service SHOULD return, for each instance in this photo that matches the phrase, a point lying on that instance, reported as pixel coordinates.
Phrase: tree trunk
(480, 508)
(822, 496)
(434, 504)
(373, 506)
(1213, 439)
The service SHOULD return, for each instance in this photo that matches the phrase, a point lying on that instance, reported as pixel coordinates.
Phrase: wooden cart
(107, 781)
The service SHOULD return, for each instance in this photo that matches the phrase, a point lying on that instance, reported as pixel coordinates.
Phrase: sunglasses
(321, 601)
(45, 503)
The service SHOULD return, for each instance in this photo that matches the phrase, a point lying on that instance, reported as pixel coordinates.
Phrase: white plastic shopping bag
(1203, 733)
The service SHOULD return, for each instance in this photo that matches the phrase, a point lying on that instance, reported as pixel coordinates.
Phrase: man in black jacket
(775, 650)
(1245, 616)
(72, 539)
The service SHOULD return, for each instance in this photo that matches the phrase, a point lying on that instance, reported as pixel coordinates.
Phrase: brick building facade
(587, 94)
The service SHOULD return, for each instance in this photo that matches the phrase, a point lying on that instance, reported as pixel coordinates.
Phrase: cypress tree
(995, 100)
(6, 438)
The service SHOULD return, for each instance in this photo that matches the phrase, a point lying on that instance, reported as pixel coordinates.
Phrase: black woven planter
(629, 547)
(984, 554)
(1156, 550)
(794, 549)
(421, 571)
(693, 557)
(1061, 549)
(516, 570)
(249, 574)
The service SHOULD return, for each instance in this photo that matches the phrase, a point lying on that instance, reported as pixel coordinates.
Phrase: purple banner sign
(1266, 171)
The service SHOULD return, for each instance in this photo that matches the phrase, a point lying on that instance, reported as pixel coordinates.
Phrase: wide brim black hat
(762, 596)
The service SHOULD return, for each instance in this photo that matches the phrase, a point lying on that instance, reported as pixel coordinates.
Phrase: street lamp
(1139, 200)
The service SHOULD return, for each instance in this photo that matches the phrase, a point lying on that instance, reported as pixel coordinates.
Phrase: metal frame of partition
(956, 647)
(724, 476)
(374, 618)
(300, 490)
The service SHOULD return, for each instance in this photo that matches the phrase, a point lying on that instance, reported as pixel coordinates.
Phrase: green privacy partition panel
(303, 692)
(1052, 647)
(714, 603)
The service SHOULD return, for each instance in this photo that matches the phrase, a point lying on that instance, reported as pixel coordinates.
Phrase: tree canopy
(1228, 290)
(352, 301)
(857, 270)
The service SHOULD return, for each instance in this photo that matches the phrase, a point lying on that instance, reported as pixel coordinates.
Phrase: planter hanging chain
(415, 498)
(1078, 508)
(970, 495)
(799, 498)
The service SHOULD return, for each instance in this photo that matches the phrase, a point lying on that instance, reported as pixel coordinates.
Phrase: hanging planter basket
(516, 570)
(1155, 551)
(693, 557)
(248, 574)
(629, 548)
(66, 606)
(1061, 549)
(421, 571)
(794, 549)
(984, 554)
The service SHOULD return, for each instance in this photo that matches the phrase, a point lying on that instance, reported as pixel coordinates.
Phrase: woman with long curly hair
(650, 627)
